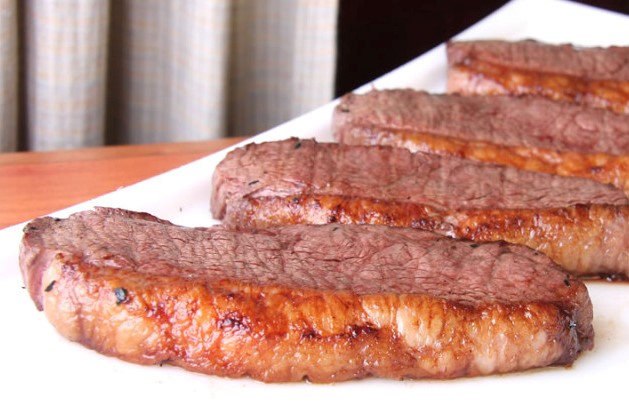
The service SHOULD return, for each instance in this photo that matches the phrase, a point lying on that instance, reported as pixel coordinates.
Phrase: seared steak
(325, 303)
(591, 76)
(530, 133)
(581, 224)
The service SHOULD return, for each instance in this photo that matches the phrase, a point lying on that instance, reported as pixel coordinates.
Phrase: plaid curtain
(77, 73)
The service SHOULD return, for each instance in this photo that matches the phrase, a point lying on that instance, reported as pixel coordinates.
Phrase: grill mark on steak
(581, 224)
(529, 133)
(272, 304)
(590, 76)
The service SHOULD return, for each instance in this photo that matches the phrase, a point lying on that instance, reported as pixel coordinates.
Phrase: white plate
(42, 373)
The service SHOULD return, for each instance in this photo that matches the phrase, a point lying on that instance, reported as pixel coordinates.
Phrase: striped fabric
(284, 55)
(93, 72)
(8, 75)
(168, 70)
(64, 74)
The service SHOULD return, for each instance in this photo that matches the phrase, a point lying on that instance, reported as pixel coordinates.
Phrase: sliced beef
(581, 224)
(325, 303)
(530, 133)
(591, 76)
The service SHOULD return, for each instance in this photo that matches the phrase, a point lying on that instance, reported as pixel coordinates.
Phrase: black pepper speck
(50, 286)
(121, 295)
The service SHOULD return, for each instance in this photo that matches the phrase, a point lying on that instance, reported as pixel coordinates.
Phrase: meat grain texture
(597, 77)
(323, 303)
(531, 133)
(581, 224)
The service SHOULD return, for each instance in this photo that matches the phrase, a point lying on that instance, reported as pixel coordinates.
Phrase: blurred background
(81, 73)
(373, 40)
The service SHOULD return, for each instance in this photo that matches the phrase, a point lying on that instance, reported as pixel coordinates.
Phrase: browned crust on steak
(601, 63)
(394, 187)
(146, 303)
(603, 168)
(590, 76)
(573, 236)
(589, 144)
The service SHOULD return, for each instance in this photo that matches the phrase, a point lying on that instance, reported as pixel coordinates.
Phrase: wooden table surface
(38, 183)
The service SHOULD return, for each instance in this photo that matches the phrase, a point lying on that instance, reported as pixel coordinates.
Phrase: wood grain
(33, 184)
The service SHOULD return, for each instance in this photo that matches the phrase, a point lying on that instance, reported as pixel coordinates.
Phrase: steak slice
(529, 133)
(581, 224)
(596, 77)
(325, 303)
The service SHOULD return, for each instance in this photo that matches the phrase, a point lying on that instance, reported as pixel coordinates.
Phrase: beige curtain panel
(76, 73)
